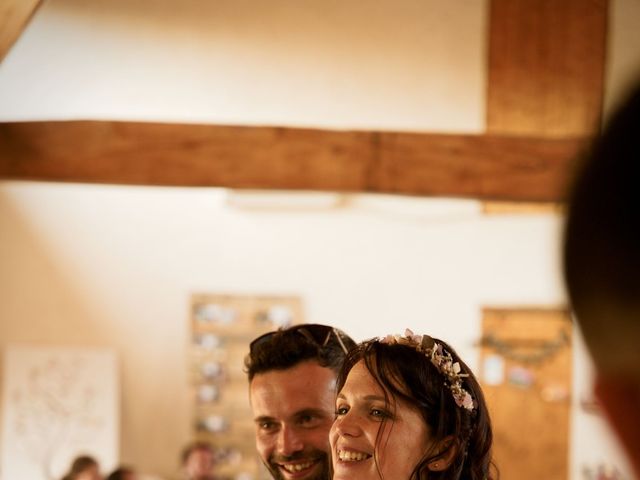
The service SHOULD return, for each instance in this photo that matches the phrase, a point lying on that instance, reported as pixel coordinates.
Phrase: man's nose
(289, 441)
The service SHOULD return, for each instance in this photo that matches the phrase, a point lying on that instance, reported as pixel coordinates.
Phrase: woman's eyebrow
(375, 397)
(366, 397)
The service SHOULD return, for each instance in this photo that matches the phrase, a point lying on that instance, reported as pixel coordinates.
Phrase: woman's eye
(341, 410)
(378, 413)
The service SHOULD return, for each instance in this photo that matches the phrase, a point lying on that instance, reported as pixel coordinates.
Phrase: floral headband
(441, 359)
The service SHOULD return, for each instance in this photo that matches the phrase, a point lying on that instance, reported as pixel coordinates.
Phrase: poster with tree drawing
(57, 403)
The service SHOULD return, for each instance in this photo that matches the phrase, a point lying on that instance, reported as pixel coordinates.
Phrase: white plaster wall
(623, 55)
(116, 266)
(328, 63)
(107, 265)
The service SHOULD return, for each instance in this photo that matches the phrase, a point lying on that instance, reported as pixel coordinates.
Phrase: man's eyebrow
(311, 411)
(263, 419)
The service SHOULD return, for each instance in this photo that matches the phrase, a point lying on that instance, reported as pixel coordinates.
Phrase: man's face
(199, 464)
(293, 411)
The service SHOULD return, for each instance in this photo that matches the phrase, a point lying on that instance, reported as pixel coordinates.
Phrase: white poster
(57, 403)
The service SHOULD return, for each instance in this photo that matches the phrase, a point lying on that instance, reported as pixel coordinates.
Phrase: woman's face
(361, 413)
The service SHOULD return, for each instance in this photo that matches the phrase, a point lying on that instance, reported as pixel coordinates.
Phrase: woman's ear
(447, 449)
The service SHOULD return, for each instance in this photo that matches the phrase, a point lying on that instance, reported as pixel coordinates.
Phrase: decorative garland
(509, 349)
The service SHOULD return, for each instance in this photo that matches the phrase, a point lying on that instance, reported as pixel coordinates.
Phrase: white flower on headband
(441, 359)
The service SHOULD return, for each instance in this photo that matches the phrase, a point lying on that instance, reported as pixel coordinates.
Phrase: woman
(409, 409)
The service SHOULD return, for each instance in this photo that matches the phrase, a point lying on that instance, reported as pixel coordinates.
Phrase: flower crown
(441, 359)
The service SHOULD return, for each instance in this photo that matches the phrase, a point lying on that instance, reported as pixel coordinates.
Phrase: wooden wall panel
(546, 66)
(485, 166)
(530, 391)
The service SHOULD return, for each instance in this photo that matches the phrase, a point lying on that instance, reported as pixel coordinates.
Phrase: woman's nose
(347, 425)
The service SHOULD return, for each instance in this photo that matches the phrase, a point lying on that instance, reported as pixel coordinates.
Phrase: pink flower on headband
(465, 402)
(389, 340)
(413, 337)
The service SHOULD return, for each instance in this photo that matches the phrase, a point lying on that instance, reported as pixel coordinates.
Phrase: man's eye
(306, 419)
(310, 420)
(267, 426)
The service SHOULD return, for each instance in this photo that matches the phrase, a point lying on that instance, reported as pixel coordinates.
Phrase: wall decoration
(493, 370)
(555, 393)
(590, 404)
(602, 471)
(527, 351)
(57, 403)
(521, 376)
(222, 327)
(208, 393)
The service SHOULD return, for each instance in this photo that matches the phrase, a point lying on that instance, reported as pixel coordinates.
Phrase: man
(197, 461)
(602, 269)
(292, 378)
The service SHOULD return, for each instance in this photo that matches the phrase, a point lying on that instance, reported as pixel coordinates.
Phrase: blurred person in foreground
(602, 268)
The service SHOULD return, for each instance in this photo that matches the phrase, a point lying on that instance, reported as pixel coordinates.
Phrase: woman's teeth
(352, 456)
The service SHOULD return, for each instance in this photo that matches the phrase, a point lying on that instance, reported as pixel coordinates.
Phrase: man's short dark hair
(287, 347)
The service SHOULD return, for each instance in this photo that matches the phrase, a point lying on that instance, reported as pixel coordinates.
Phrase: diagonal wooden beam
(14, 17)
(484, 166)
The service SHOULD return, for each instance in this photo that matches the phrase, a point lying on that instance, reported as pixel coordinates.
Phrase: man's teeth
(296, 467)
(352, 456)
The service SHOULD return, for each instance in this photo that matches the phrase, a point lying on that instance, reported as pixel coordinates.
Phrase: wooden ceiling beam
(478, 166)
(14, 17)
(545, 91)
